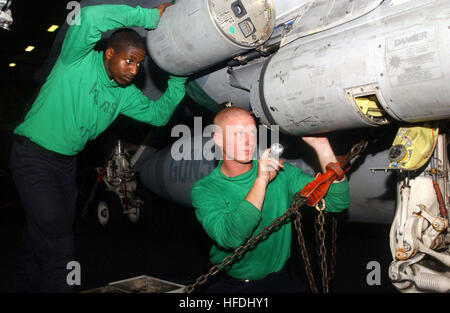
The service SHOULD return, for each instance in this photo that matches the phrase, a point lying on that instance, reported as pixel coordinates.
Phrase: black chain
(304, 252)
(327, 272)
(333, 246)
(356, 150)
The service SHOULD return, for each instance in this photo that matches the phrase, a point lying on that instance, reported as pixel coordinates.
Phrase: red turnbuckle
(100, 175)
(318, 188)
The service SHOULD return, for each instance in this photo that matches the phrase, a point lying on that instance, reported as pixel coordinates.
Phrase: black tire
(108, 210)
(143, 215)
(138, 217)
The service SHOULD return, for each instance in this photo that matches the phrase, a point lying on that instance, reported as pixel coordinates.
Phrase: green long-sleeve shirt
(78, 101)
(230, 220)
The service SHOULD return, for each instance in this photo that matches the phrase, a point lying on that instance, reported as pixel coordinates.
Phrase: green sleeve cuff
(338, 197)
(340, 187)
(152, 18)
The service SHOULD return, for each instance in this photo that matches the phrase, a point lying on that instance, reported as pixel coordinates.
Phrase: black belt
(24, 141)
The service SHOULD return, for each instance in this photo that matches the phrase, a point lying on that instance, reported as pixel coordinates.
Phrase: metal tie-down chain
(304, 252)
(294, 208)
(321, 250)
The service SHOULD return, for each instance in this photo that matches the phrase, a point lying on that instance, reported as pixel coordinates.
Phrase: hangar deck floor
(171, 245)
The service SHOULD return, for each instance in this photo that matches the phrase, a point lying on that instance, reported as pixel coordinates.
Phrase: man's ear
(109, 53)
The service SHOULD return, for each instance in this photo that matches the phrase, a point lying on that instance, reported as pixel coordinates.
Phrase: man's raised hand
(268, 167)
(162, 7)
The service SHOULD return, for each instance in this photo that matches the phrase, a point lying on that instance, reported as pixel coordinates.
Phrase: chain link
(355, 150)
(320, 221)
(304, 252)
(294, 208)
(333, 246)
(319, 227)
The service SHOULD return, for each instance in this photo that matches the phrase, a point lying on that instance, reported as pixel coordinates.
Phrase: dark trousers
(46, 184)
(278, 282)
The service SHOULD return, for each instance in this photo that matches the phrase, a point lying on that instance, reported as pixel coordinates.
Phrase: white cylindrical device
(276, 150)
(196, 34)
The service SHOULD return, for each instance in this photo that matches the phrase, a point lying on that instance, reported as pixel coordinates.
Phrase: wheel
(142, 215)
(135, 216)
(108, 209)
(103, 213)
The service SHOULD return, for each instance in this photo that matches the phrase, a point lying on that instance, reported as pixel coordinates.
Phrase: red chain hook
(318, 188)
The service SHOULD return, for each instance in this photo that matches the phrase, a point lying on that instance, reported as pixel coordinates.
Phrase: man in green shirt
(241, 196)
(85, 91)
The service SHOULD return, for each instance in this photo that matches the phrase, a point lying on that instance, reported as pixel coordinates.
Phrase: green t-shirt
(78, 101)
(230, 220)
